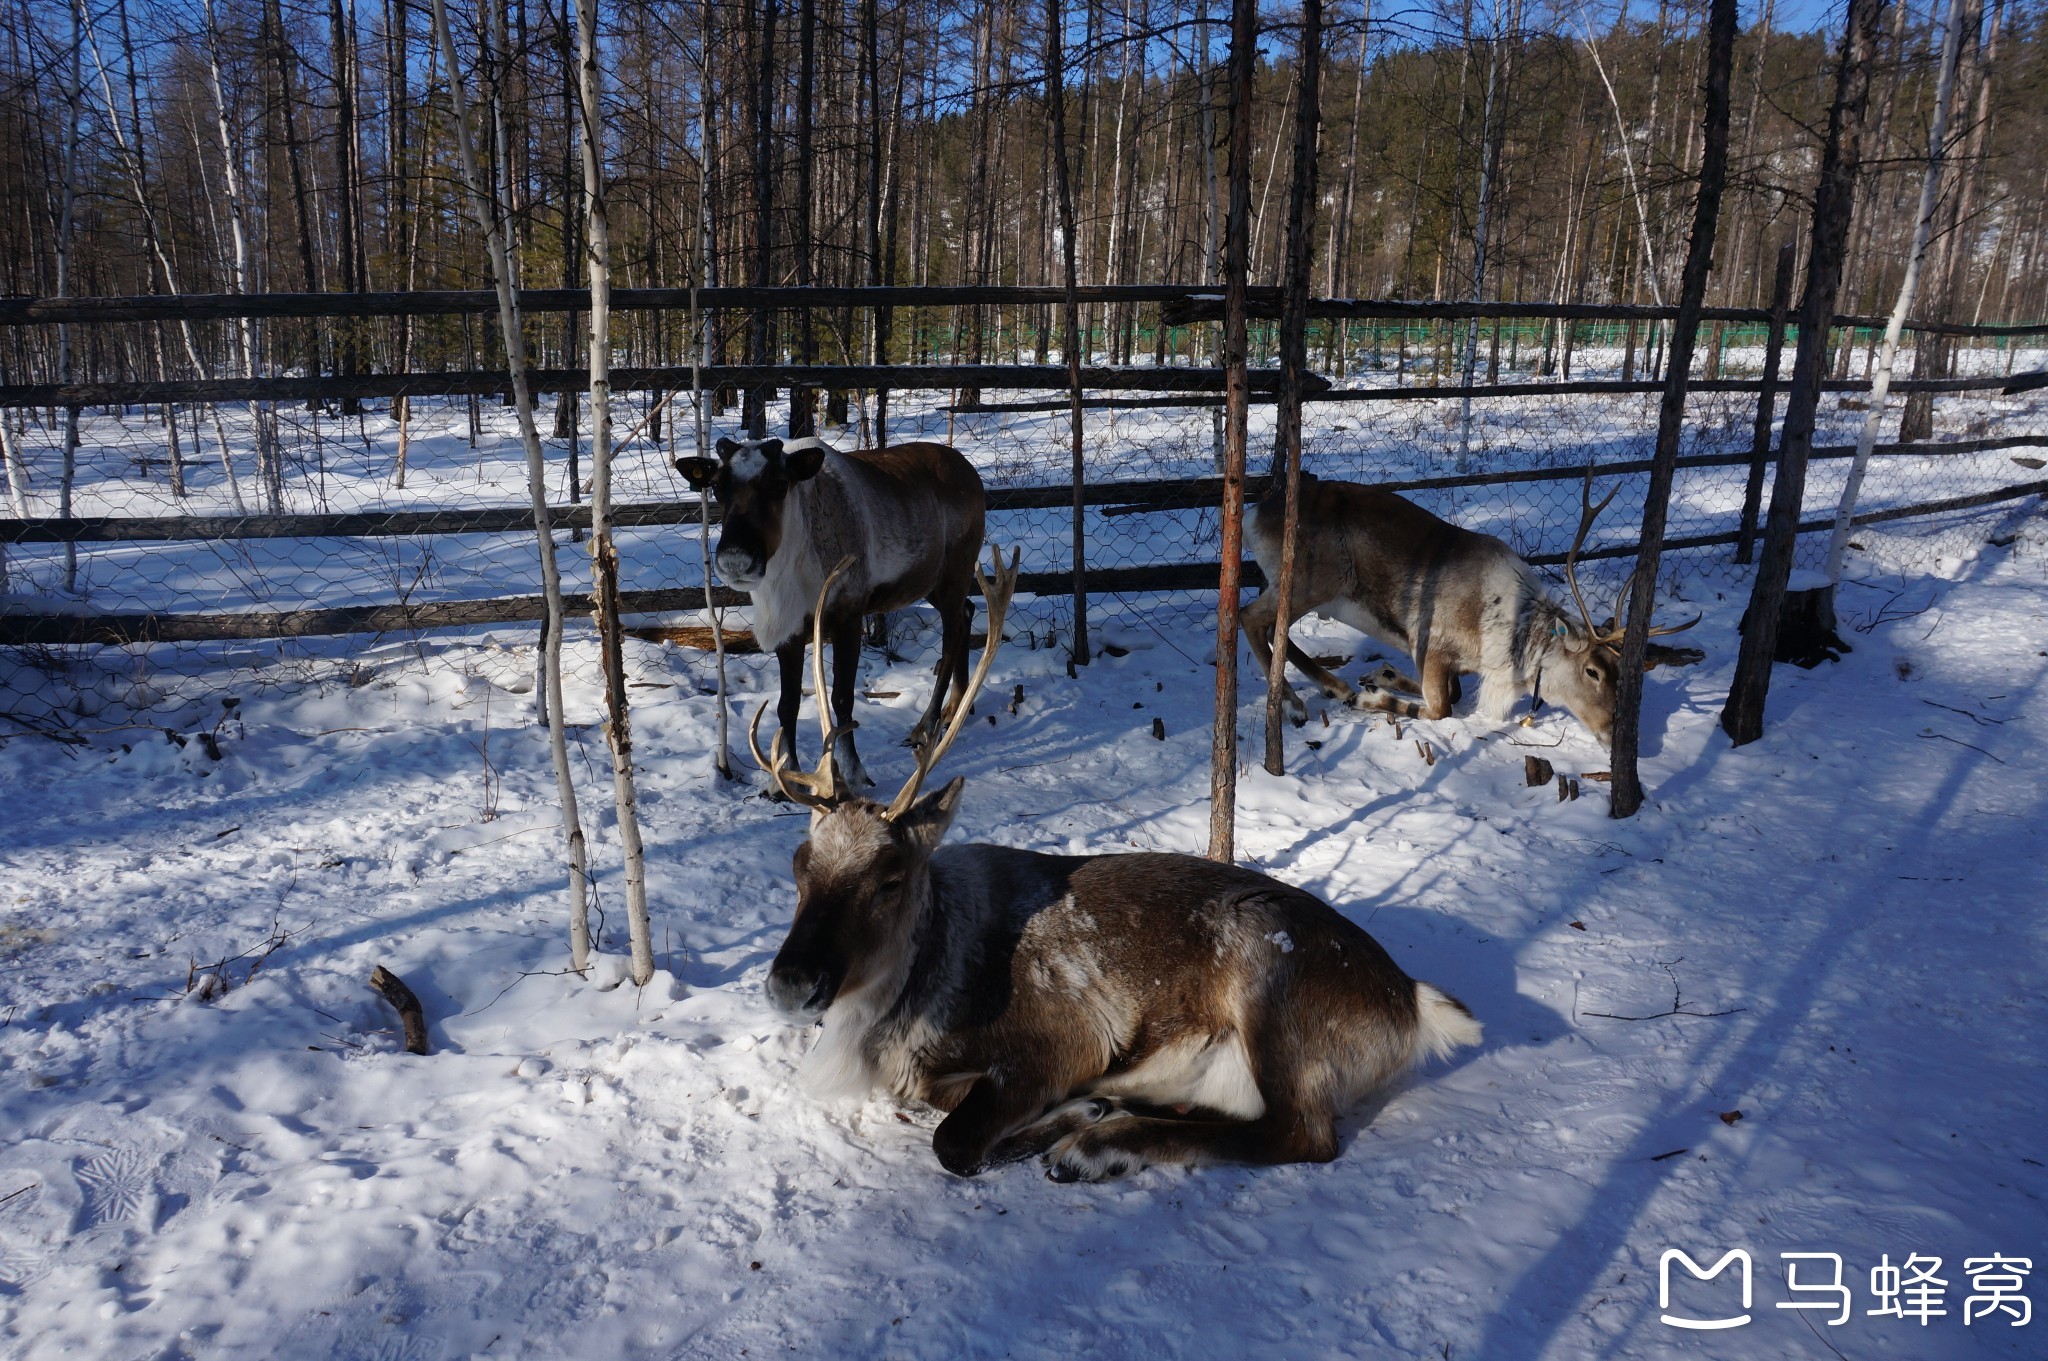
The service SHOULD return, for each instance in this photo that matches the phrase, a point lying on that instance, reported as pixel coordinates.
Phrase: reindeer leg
(1298, 1124)
(956, 622)
(968, 1139)
(1332, 684)
(1055, 1125)
(1440, 687)
(1257, 622)
(1120, 1144)
(1387, 678)
(1371, 697)
(845, 676)
(789, 661)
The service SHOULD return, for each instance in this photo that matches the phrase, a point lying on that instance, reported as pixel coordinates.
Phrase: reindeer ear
(926, 822)
(802, 464)
(727, 446)
(698, 472)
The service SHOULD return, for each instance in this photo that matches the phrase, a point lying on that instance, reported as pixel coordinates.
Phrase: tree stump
(1806, 623)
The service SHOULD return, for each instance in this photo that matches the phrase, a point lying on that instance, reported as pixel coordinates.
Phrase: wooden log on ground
(738, 642)
(406, 1004)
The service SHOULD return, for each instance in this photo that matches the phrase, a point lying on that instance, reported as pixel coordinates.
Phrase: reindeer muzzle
(801, 995)
(739, 569)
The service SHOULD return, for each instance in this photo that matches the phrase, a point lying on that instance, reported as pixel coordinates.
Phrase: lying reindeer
(910, 515)
(1453, 599)
(1103, 1011)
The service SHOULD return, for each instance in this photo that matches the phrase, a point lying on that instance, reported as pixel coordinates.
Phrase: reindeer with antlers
(1453, 599)
(911, 518)
(1104, 1012)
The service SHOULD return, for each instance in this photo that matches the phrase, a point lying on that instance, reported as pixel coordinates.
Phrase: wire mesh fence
(287, 517)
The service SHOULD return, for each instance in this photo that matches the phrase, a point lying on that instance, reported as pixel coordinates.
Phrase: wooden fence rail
(1184, 304)
(896, 377)
(53, 630)
(1115, 498)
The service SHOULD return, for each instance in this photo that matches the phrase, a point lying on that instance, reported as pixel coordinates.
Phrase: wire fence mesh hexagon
(273, 521)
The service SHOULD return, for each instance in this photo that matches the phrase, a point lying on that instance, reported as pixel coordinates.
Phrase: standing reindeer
(1453, 599)
(1103, 1011)
(909, 516)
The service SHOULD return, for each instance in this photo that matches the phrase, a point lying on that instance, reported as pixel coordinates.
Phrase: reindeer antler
(819, 788)
(1588, 512)
(997, 594)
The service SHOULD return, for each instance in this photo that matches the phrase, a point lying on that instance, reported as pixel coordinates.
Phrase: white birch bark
(604, 552)
(1923, 226)
(485, 205)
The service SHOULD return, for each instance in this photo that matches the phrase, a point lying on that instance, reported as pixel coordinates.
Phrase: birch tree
(1916, 256)
(486, 207)
(604, 552)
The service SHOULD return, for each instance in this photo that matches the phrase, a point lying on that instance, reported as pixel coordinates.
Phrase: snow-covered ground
(1846, 917)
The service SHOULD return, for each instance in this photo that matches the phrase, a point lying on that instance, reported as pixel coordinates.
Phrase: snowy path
(596, 1173)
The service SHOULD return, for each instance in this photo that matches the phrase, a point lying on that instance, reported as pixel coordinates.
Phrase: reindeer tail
(1443, 1024)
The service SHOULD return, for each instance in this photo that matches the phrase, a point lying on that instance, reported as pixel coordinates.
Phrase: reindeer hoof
(1074, 1162)
(1083, 1156)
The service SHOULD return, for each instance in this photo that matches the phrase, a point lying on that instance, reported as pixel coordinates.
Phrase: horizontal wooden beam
(1117, 498)
(1265, 305)
(1184, 304)
(1193, 387)
(1423, 392)
(673, 378)
(21, 311)
(19, 629)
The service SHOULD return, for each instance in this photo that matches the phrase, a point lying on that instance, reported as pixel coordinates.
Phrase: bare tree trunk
(756, 407)
(1237, 400)
(1489, 156)
(604, 552)
(347, 158)
(1834, 198)
(17, 469)
(1070, 312)
(1692, 296)
(1340, 228)
(487, 208)
(67, 209)
(1934, 354)
(267, 472)
(1760, 436)
(1212, 220)
(803, 417)
(700, 333)
(1294, 356)
(1923, 228)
